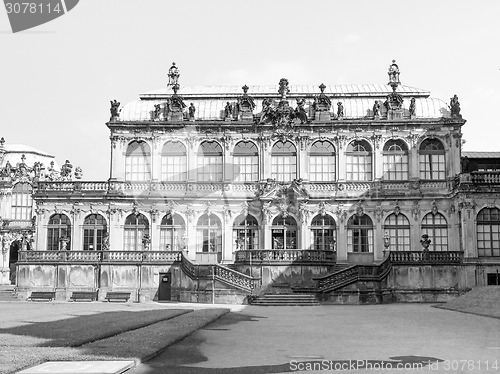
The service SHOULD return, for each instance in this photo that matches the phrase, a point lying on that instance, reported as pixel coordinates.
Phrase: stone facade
(278, 190)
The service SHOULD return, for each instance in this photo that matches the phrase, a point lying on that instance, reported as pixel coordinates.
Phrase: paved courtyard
(361, 339)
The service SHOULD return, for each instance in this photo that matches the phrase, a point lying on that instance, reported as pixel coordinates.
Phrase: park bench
(118, 296)
(84, 295)
(42, 295)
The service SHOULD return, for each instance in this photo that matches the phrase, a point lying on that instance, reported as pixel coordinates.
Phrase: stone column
(342, 241)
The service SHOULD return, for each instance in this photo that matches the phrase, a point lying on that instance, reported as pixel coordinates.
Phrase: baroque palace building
(353, 193)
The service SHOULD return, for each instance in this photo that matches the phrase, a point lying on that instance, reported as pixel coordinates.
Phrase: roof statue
(340, 110)
(412, 108)
(114, 109)
(300, 111)
(455, 106)
(393, 74)
(394, 101)
(245, 105)
(173, 75)
(283, 90)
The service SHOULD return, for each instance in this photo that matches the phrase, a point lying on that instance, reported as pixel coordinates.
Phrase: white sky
(57, 79)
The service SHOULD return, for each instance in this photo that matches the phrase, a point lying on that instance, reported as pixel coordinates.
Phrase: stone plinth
(395, 114)
(322, 116)
(245, 116)
(175, 116)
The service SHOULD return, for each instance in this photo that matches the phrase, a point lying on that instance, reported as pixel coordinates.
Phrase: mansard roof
(358, 100)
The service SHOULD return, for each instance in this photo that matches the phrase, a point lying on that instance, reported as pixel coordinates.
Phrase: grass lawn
(91, 332)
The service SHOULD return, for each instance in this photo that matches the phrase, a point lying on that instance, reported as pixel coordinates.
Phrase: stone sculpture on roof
(340, 110)
(322, 105)
(300, 111)
(114, 109)
(412, 108)
(455, 106)
(394, 101)
(245, 106)
(173, 75)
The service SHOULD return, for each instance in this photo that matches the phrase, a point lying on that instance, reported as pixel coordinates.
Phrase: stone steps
(286, 300)
(7, 293)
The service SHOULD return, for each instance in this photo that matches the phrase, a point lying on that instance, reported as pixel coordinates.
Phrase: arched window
(245, 233)
(359, 161)
(284, 161)
(395, 160)
(323, 233)
(246, 161)
(284, 233)
(172, 229)
(210, 162)
(436, 227)
(397, 227)
(138, 162)
(209, 234)
(173, 162)
(360, 234)
(432, 160)
(322, 162)
(59, 226)
(94, 228)
(136, 227)
(488, 232)
(22, 202)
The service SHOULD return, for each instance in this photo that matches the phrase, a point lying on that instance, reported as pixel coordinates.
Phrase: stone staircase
(7, 293)
(285, 300)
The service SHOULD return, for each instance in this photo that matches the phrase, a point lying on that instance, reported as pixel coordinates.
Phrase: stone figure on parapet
(192, 111)
(455, 106)
(173, 75)
(412, 107)
(300, 111)
(114, 109)
(66, 170)
(156, 113)
(340, 110)
(376, 109)
(228, 110)
(245, 105)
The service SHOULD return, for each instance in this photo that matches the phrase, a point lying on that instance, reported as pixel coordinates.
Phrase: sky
(57, 79)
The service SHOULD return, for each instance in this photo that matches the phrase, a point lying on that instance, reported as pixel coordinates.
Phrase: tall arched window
(59, 226)
(397, 227)
(431, 157)
(138, 161)
(488, 232)
(136, 227)
(322, 162)
(94, 228)
(209, 234)
(22, 202)
(173, 162)
(245, 233)
(436, 227)
(360, 234)
(284, 233)
(172, 229)
(359, 161)
(395, 160)
(210, 162)
(246, 160)
(323, 233)
(284, 161)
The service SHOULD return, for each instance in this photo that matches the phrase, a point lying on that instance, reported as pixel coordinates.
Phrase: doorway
(165, 287)
(13, 258)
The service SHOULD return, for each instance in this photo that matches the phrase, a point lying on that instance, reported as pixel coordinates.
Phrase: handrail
(224, 274)
(344, 277)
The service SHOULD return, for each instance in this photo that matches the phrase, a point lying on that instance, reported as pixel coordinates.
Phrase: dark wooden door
(165, 286)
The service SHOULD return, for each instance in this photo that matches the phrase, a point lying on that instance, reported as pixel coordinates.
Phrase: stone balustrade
(285, 256)
(99, 256)
(429, 257)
